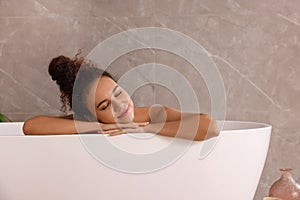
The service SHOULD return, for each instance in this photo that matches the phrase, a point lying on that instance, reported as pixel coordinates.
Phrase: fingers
(106, 127)
(142, 124)
(122, 131)
(132, 125)
(112, 132)
(128, 125)
(117, 129)
(109, 131)
(117, 133)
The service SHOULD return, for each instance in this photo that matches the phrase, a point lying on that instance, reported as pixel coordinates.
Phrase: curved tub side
(11, 129)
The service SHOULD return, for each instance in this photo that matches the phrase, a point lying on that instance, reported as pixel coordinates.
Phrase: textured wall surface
(255, 45)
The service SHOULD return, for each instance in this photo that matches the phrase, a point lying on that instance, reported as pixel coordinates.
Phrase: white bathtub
(62, 168)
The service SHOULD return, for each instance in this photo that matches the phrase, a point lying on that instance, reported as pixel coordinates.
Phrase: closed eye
(106, 106)
(118, 93)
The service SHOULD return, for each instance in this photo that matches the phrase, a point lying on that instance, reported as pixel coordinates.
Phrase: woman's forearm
(197, 127)
(45, 125)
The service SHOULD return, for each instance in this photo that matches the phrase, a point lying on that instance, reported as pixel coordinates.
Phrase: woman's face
(109, 102)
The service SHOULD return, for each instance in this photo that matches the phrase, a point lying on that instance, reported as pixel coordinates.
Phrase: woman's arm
(46, 125)
(195, 127)
(171, 122)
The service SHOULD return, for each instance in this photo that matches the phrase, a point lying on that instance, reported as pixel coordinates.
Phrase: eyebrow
(101, 102)
(114, 89)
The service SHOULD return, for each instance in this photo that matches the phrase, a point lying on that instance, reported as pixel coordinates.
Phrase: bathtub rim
(256, 126)
(260, 124)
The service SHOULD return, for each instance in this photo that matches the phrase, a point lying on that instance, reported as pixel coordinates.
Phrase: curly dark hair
(74, 73)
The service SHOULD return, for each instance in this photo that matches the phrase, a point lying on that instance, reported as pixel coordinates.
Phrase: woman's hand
(117, 129)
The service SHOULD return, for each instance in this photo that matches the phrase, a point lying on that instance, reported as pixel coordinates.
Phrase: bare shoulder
(156, 113)
(141, 114)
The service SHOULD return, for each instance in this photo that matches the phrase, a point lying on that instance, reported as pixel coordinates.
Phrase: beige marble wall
(255, 44)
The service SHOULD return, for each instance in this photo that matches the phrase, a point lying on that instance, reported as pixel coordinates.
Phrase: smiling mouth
(124, 113)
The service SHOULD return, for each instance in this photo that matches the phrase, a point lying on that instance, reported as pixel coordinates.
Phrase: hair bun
(63, 70)
(61, 67)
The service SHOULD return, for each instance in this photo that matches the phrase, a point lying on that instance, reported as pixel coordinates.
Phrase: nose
(118, 105)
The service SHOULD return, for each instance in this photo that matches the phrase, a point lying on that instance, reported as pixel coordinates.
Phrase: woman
(101, 105)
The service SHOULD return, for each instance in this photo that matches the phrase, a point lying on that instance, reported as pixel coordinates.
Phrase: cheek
(105, 116)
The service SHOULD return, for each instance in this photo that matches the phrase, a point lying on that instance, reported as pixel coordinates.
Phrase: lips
(124, 113)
